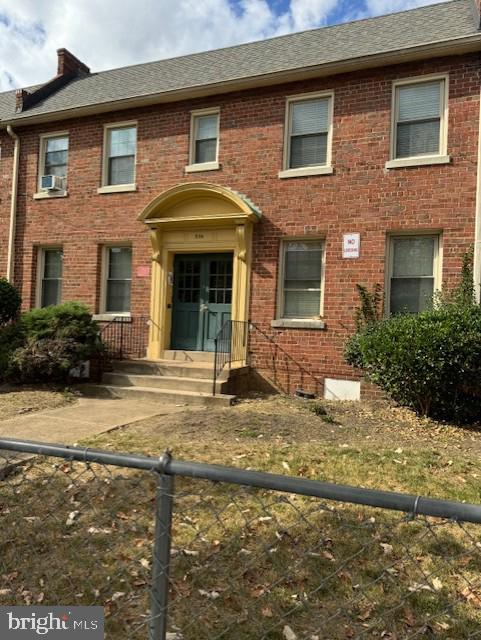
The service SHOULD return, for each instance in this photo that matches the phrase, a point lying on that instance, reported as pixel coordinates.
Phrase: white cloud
(378, 7)
(113, 33)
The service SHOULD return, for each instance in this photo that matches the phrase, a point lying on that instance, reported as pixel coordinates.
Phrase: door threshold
(181, 355)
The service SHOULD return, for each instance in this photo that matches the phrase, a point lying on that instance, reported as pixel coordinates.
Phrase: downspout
(477, 228)
(13, 205)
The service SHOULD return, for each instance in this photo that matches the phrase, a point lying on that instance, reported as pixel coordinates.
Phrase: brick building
(259, 182)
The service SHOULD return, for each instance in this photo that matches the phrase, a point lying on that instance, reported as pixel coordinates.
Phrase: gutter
(456, 46)
(477, 226)
(13, 205)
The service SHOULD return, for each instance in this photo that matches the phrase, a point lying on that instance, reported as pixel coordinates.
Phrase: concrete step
(188, 356)
(161, 382)
(162, 395)
(200, 370)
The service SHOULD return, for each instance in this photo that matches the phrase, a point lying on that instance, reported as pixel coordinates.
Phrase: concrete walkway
(86, 417)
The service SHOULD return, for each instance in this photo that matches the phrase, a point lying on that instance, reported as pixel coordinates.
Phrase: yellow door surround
(196, 217)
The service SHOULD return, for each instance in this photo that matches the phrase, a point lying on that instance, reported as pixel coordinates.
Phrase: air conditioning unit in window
(53, 183)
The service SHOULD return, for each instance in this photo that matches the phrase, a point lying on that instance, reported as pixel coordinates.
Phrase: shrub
(48, 359)
(55, 339)
(10, 302)
(430, 362)
(11, 338)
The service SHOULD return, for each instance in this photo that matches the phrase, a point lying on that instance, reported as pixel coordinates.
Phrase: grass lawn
(254, 564)
(17, 400)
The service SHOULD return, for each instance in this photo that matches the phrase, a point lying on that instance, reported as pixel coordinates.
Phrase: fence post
(161, 555)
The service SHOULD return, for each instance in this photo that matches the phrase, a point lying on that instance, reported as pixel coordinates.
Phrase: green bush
(430, 362)
(10, 302)
(53, 340)
(11, 338)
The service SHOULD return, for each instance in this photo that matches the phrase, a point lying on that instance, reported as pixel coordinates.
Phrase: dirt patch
(16, 401)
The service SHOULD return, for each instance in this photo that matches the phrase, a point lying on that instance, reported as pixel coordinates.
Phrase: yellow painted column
(154, 349)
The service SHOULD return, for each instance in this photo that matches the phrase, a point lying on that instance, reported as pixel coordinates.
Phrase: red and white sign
(351, 245)
(143, 271)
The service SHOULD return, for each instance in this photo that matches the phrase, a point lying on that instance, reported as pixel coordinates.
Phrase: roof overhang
(421, 52)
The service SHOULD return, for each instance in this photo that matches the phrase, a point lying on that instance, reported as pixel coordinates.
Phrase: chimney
(21, 96)
(68, 63)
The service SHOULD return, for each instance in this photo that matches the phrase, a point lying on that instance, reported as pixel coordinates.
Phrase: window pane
(301, 304)
(418, 138)
(121, 170)
(308, 151)
(52, 263)
(120, 263)
(56, 156)
(50, 292)
(303, 261)
(411, 295)
(206, 127)
(205, 151)
(420, 101)
(122, 142)
(118, 296)
(56, 144)
(302, 279)
(413, 256)
(310, 116)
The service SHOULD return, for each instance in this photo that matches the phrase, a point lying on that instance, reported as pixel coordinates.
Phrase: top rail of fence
(416, 505)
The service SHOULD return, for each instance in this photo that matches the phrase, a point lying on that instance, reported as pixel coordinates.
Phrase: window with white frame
(120, 150)
(204, 137)
(301, 282)
(309, 123)
(54, 156)
(50, 280)
(117, 279)
(413, 272)
(420, 119)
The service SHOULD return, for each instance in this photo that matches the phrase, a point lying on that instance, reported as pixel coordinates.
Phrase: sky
(113, 33)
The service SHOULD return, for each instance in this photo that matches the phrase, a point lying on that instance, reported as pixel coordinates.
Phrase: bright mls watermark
(60, 623)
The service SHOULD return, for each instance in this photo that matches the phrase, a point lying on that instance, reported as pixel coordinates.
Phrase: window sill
(202, 166)
(297, 324)
(117, 188)
(110, 317)
(417, 162)
(45, 195)
(306, 171)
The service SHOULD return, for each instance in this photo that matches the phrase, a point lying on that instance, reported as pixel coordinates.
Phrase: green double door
(202, 299)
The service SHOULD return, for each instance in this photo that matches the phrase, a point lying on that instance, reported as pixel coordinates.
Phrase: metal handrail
(128, 336)
(230, 345)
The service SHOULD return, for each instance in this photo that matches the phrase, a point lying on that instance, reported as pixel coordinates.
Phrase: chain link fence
(189, 551)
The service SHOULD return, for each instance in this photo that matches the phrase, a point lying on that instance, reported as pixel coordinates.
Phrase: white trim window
(308, 139)
(50, 267)
(420, 121)
(301, 282)
(204, 140)
(414, 272)
(53, 156)
(117, 279)
(120, 148)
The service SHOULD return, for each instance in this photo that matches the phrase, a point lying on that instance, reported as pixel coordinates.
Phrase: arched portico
(199, 221)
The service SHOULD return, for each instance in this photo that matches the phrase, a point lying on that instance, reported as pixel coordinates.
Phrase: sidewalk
(86, 417)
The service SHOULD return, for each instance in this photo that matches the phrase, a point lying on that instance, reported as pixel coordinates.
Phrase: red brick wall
(361, 196)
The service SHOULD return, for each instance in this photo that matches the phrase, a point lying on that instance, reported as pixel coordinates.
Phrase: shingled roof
(448, 22)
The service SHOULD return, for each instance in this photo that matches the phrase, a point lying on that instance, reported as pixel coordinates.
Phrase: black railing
(125, 337)
(230, 346)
